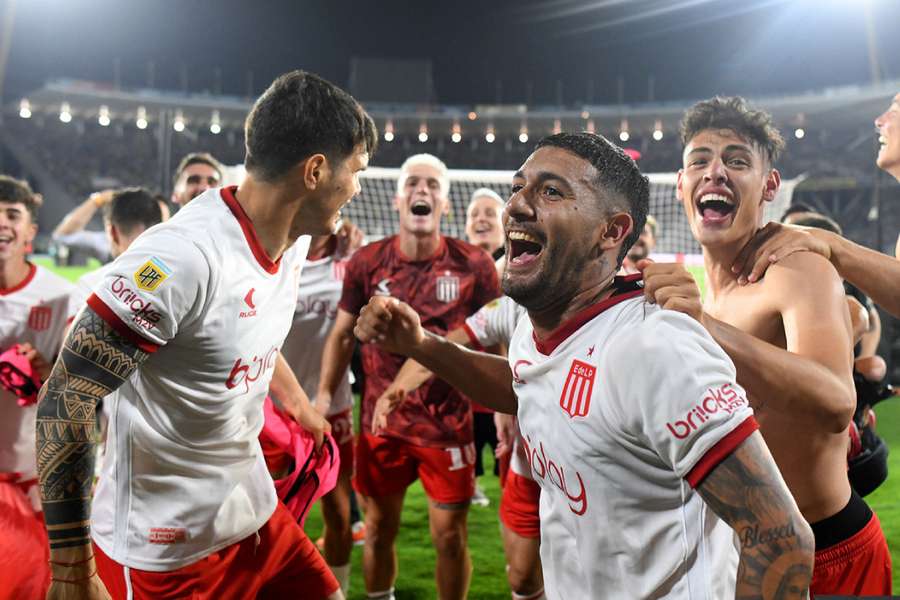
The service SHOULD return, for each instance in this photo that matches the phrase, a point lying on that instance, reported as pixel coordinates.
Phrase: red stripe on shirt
(721, 451)
(473, 338)
(107, 314)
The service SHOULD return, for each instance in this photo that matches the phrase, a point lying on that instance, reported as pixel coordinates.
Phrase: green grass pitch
(415, 555)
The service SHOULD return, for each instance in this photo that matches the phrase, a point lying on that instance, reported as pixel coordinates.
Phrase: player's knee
(381, 532)
(450, 542)
(523, 579)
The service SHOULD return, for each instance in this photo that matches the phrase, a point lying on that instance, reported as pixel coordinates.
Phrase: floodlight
(25, 109)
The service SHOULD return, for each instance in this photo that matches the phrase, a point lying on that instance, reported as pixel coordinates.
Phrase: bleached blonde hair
(424, 159)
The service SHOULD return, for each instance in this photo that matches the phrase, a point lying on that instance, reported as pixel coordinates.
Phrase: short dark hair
(198, 158)
(819, 221)
(733, 113)
(133, 207)
(15, 191)
(618, 176)
(795, 208)
(302, 114)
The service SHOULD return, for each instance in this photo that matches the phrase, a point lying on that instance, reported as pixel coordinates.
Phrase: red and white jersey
(320, 291)
(184, 473)
(35, 311)
(624, 410)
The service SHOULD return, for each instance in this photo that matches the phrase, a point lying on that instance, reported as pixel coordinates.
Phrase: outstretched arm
(746, 491)
(95, 360)
(394, 325)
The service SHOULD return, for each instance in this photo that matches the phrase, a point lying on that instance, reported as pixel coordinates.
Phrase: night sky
(691, 48)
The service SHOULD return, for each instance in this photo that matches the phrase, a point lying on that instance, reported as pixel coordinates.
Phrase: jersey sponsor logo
(382, 289)
(317, 307)
(167, 535)
(246, 373)
(248, 300)
(515, 370)
(546, 469)
(447, 288)
(575, 399)
(39, 318)
(151, 274)
(145, 314)
(725, 398)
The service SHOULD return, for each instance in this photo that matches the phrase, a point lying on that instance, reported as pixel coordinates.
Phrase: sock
(538, 595)
(385, 595)
(342, 574)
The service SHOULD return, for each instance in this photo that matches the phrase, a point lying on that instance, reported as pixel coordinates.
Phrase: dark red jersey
(444, 289)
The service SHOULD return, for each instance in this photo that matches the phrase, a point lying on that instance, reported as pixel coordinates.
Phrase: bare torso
(812, 461)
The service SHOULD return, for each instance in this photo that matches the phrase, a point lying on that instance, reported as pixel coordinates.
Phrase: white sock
(538, 595)
(385, 595)
(342, 574)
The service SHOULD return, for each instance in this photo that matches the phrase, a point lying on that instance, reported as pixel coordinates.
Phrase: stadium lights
(103, 117)
(489, 136)
(178, 123)
(389, 131)
(25, 108)
(423, 133)
(215, 125)
(523, 133)
(799, 133)
(141, 121)
(624, 136)
(65, 113)
(658, 131)
(473, 115)
(585, 115)
(456, 135)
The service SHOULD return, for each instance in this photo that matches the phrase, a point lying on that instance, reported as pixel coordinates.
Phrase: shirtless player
(789, 337)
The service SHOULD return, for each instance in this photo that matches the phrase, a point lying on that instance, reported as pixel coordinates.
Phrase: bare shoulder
(801, 275)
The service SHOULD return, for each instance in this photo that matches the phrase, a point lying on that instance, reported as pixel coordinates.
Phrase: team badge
(447, 289)
(39, 318)
(576, 394)
(151, 274)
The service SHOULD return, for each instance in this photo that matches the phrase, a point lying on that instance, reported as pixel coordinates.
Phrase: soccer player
(185, 332)
(483, 226)
(789, 336)
(196, 173)
(430, 436)
(33, 315)
(876, 274)
(642, 248)
(643, 443)
(320, 291)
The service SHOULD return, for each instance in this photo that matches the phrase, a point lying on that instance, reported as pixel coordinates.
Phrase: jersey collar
(32, 270)
(269, 265)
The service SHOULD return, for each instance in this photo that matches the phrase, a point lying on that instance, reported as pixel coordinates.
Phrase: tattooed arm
(746, 491)
(94, 361)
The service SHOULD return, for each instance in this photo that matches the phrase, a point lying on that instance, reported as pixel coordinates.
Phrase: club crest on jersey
(151, 274)
(447, 288)
(576, 394)
(39, 318)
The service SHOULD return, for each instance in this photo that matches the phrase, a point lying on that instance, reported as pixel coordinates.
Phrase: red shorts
(342, 432)
(519, 506)
(277, 562)
(858, 566)
(24, 550)
(386, 466)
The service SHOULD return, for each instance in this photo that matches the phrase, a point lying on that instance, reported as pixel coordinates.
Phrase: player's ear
(773, 182)
(614, 230)
(315, 170)
(679, 192)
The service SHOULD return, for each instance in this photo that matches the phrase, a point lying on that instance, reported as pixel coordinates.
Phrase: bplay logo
(544, 467)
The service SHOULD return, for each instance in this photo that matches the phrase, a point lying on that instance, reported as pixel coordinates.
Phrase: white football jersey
(184, 474)
(85, 286)
(35, 311)
(317, 303)
(624, 410)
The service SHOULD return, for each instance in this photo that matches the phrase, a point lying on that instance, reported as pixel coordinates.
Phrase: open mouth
(882, 141)
(524, 248)
(715, 208)
(483, 229)
(420, 208)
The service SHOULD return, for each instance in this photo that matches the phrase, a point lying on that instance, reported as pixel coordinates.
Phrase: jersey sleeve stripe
(107, 314)
(473, 338)
(720, 451)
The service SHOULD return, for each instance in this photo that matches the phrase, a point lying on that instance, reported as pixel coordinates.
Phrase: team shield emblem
(576, 394)
(447, 288)
(39, 318)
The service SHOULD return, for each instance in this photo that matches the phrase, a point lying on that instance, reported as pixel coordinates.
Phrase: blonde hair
(428, 160)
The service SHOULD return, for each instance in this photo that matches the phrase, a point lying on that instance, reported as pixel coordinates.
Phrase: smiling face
(195, 179)
(554, 221)
(322, 214)
(17, 231)
(422, 200)
(723, 184)
(483, 225)
(888, 125)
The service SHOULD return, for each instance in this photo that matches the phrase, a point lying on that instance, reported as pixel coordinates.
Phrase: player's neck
(418, 247)
(546, 321)
(321, 247)
(272, 210)
(13, 272)
(717, 261)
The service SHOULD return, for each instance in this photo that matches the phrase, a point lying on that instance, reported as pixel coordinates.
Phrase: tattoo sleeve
(94, 361)
(746, 491)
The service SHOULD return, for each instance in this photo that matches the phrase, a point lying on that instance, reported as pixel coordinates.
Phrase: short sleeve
(353, 295)
(676, 390)
(494, 323)
(152, 289)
